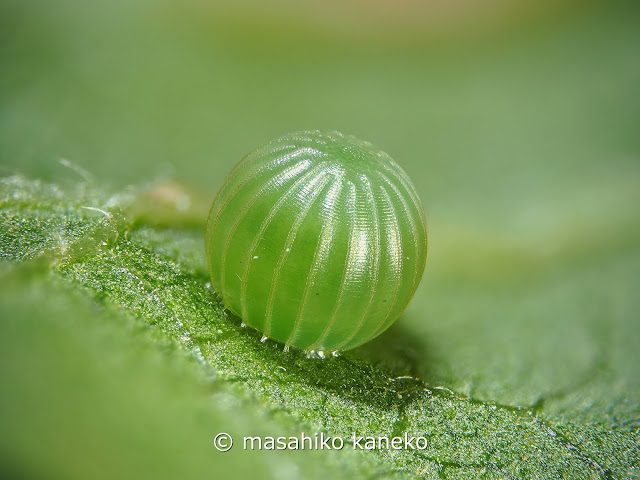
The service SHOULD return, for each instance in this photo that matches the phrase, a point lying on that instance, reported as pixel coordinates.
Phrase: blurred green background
(518, 123)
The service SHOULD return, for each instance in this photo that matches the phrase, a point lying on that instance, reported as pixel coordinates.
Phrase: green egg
(318, 240)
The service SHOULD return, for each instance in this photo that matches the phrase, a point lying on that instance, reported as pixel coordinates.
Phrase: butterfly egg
(317, 240)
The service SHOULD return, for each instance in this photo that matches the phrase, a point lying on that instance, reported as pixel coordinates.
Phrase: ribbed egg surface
(317, 240)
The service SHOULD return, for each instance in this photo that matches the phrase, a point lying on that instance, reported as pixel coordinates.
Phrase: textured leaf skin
(587, 428)
(318, 240)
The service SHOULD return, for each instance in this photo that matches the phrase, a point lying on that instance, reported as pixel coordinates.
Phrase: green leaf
(517, 358)
(584, 422)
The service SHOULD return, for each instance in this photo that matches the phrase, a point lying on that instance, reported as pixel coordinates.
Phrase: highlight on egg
(318, 240)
